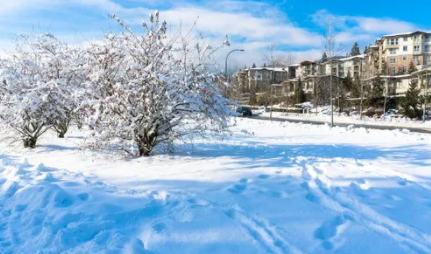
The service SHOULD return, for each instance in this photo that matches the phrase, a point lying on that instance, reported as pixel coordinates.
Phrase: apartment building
(390, 58)
(259, 79)
(398, 51)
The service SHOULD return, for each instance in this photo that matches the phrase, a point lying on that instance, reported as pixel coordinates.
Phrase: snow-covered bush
(148, 89)
(38, 81)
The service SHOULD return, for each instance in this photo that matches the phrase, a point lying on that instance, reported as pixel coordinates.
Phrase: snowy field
(275, 188)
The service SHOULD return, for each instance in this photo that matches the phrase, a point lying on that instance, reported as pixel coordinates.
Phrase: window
(405, 48)
(405, 39)
(393, 60)
(416, 59)
(416, 38)
(417, 48)
(393, 70)
(404, 58)
(392, 51)
(393, 41)
(427, 48)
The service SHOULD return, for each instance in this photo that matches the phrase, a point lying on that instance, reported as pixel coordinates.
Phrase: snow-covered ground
(344, 119)
(268, 188)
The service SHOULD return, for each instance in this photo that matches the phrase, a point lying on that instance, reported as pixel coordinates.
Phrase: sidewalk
(343, 121)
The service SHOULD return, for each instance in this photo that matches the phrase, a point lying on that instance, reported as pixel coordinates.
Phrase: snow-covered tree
(36, 94)
(150, 90)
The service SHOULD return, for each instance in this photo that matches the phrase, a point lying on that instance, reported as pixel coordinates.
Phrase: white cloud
(384, 25)
(244, 25)
(358, 28)
(251, 25)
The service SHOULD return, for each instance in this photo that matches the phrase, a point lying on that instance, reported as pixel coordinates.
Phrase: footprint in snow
(263, 176)
(402, 181)
(239, 187)
(330, 229)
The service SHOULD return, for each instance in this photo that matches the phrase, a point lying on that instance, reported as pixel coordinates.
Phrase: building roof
(306, 62)
(268, 69)
(404, 34)
(352, 57)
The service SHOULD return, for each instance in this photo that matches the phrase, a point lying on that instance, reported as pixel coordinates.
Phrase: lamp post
(225, 66)
(427, 82)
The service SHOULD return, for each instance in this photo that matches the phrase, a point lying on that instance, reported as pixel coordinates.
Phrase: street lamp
(225, 66)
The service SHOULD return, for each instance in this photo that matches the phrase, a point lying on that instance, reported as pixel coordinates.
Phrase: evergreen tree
(410, 105)
(348, 83)
(376, 94)
(321, 91)
(324, 57)
(355, 50)
(252, 96)
(412, 67)
(253, 66)
(299, 93)
(355, 91)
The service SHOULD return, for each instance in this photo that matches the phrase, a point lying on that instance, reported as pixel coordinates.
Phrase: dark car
(244, 111)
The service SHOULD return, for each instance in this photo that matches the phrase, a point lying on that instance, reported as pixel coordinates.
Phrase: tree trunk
(147, 142)
(29, 142)
(61, 130)
(144, 151)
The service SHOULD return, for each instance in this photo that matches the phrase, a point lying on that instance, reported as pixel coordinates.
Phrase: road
(369, 126)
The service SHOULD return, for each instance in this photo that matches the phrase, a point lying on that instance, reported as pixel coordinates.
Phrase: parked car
(244, 111)
(392, 113)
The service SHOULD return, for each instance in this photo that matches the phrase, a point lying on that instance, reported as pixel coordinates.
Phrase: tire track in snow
(319, 191)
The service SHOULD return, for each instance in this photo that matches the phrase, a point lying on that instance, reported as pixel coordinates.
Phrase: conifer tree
(355, 91)
(355, 50)
(376, 93)
(299, 93)
(410, 105)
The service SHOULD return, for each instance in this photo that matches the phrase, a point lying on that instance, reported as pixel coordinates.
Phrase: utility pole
(330, 94)
(362, 90)
(270, 112)
(385, 95)
(427, 82)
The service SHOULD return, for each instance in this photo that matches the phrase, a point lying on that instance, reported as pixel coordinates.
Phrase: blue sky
(294, 26)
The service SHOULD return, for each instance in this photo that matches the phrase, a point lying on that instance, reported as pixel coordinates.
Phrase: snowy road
(268, 188)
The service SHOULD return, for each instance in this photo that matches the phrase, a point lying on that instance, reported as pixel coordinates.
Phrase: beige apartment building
(391, 58)
(398, 51)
